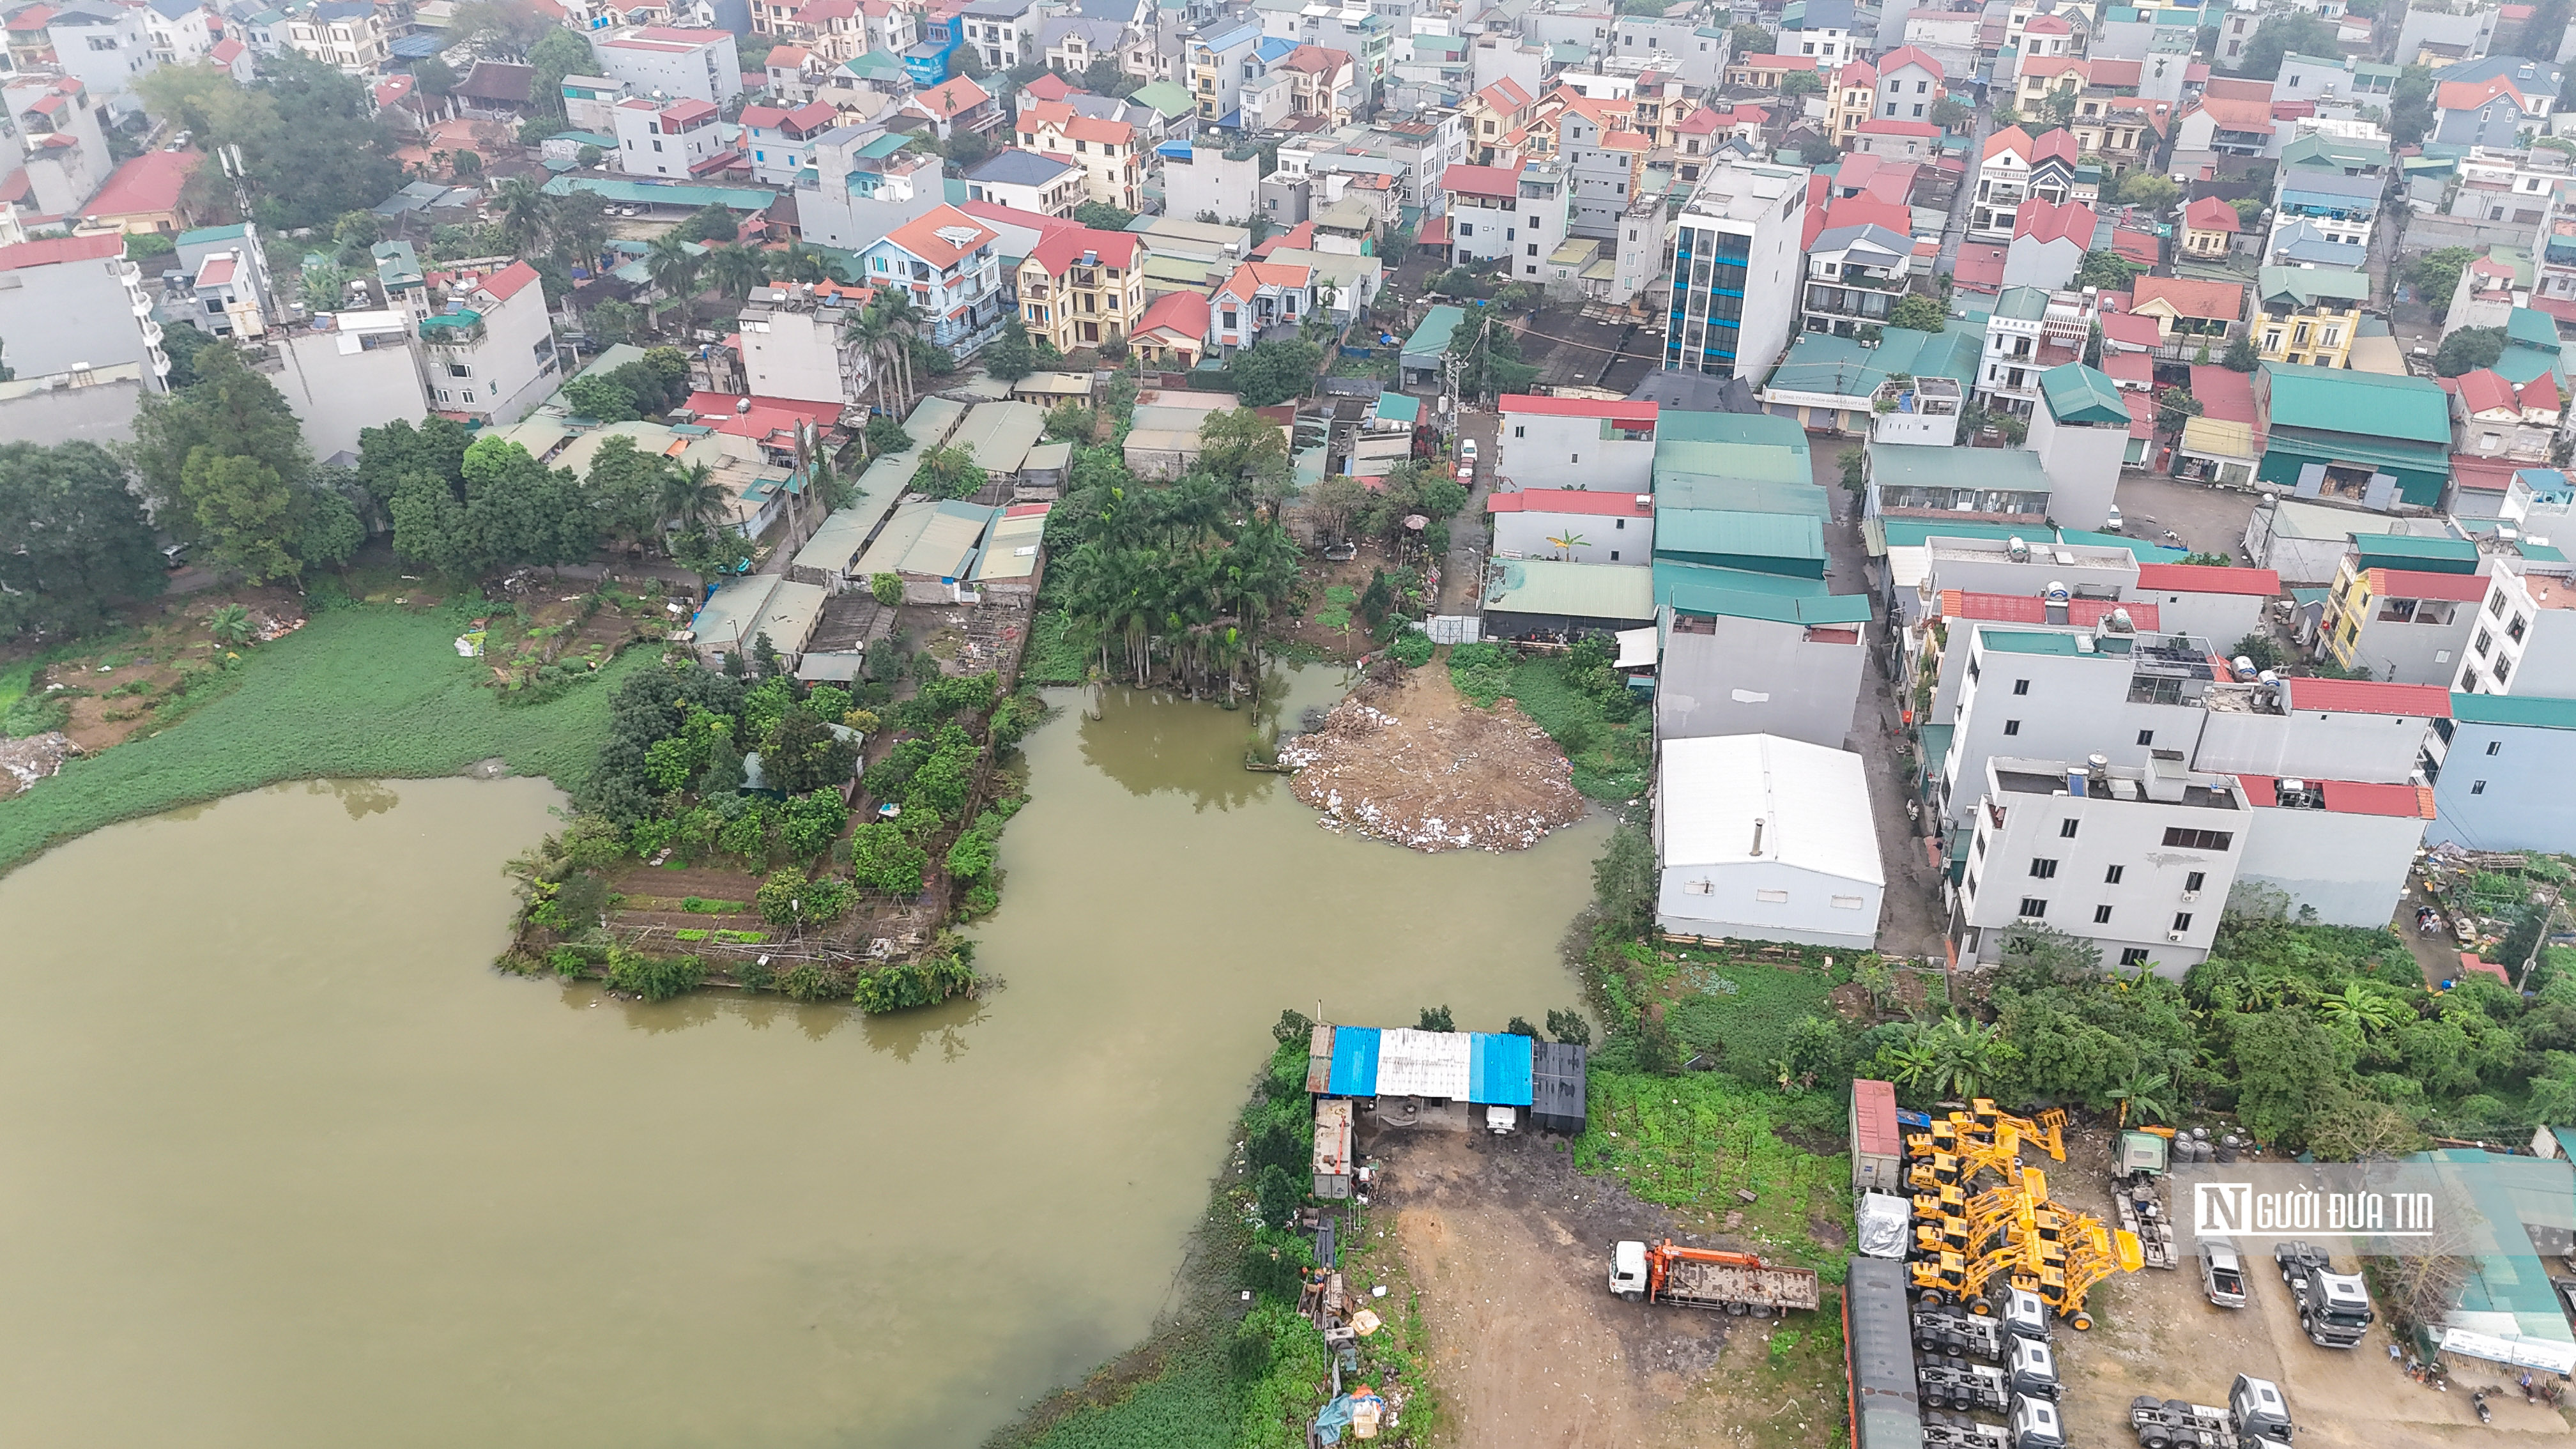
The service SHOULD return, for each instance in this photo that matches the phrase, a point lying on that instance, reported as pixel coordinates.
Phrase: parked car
(2114, 523)
(2222, 1272)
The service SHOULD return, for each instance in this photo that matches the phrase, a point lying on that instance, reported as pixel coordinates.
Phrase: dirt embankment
(1413, 763)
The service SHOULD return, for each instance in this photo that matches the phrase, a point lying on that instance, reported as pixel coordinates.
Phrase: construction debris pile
(25, 761)
(1412, 765)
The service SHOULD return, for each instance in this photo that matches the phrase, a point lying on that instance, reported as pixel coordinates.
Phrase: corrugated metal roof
(1498, 1069)
(1874, 1119)
(1355, 1051)
(1767, 461)
(1743, 495)
(1414, 1063)
(2515, 709)
(1722, 531)
(2337, 400)
(1575, 590)
(1813, 803)
(2370, 696)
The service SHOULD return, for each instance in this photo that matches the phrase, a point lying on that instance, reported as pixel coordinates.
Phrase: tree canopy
(73, 539)
(310, 142)
(498, 509)
(224, 466)
(2286, 32)
(2468, 349)
(1268, 373)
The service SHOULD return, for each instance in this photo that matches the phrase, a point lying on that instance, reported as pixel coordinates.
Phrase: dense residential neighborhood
(1970, 580)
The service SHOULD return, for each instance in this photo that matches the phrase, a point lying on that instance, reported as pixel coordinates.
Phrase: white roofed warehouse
(1761, 838)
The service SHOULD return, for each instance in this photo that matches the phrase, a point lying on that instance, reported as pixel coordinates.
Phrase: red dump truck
(1740, 1283)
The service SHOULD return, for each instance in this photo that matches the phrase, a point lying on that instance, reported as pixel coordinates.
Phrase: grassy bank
(370, 690)
(1220, 1373)
(1605, 729)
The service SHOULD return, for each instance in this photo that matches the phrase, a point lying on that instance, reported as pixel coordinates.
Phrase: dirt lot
(2155, 1334)
(1416, 765)
(1509, 1246)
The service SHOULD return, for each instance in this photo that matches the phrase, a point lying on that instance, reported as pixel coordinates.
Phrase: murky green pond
(285, 1164)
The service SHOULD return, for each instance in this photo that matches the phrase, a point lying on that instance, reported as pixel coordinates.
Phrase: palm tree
(2144, 1094)
(735, 270)
(673, 266)
(691, 498)
(1967, 1057)
(803, 264)
(875, 335)
(949, 468)
(229, 624)
(904, 322)
(2362, 1009)
(527, 213)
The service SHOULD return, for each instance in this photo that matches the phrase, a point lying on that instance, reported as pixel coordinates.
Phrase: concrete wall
(1542, 450)
(334, 394)
(100, 412)
(1731, 908)
(797, 356)
(2414, 653)
(1754, 676)
(2514, 799)
(2350, 868)
(1604, 540)
(2083, 467)
(2222, 619)
(2154, 878)
(676, 72)
(71, 312)
(2309, 745)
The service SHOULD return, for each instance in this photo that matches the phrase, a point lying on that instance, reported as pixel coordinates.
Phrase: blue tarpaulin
(1354, 1061)
(1498, 1070)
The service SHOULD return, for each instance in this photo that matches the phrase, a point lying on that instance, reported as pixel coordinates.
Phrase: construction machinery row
(1984, 1222)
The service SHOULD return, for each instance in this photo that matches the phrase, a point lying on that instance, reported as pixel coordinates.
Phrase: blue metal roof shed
(1498, 1070)
(1354, 1061)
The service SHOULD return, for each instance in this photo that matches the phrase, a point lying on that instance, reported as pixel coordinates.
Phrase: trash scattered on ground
(1415, 765)
(27, 760)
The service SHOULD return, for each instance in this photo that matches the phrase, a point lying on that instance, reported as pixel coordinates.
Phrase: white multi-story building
(2138, 859)
(491, 354)
(673, 62)
(797, 344)
(179, 31)
(1517, 215)
(1004, 32)
(342, 373)
(106, 45)
(74, 304)
(2123, 692)
(859, 184)
(1350, 29)
(350, 34)
(676, 140)
(1577, 442)
(1736, 269)
(2525, 639)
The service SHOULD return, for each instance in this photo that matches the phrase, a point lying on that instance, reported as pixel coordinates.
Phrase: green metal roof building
(1769, 543)
(1545, 596)
(2079, 394)
(1761, 429)
(2424, 555)
(1430, 341)
(1741, 495)
(1683, 459)
(2362, 436)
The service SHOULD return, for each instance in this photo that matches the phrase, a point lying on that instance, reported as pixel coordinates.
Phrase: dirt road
(1509, 1246)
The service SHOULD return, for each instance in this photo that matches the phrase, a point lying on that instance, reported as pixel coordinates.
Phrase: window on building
(2195, 880)
(2101, 915)
(2043, 868)
(2479, 788)
(2012, 726)
(2021, 686)
(2495, 603)
(2033, 908)
(2133, 956)
(2066, 829)
(1979, 845)
(2182, 920)
(2189, 839)
(2112, 875)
